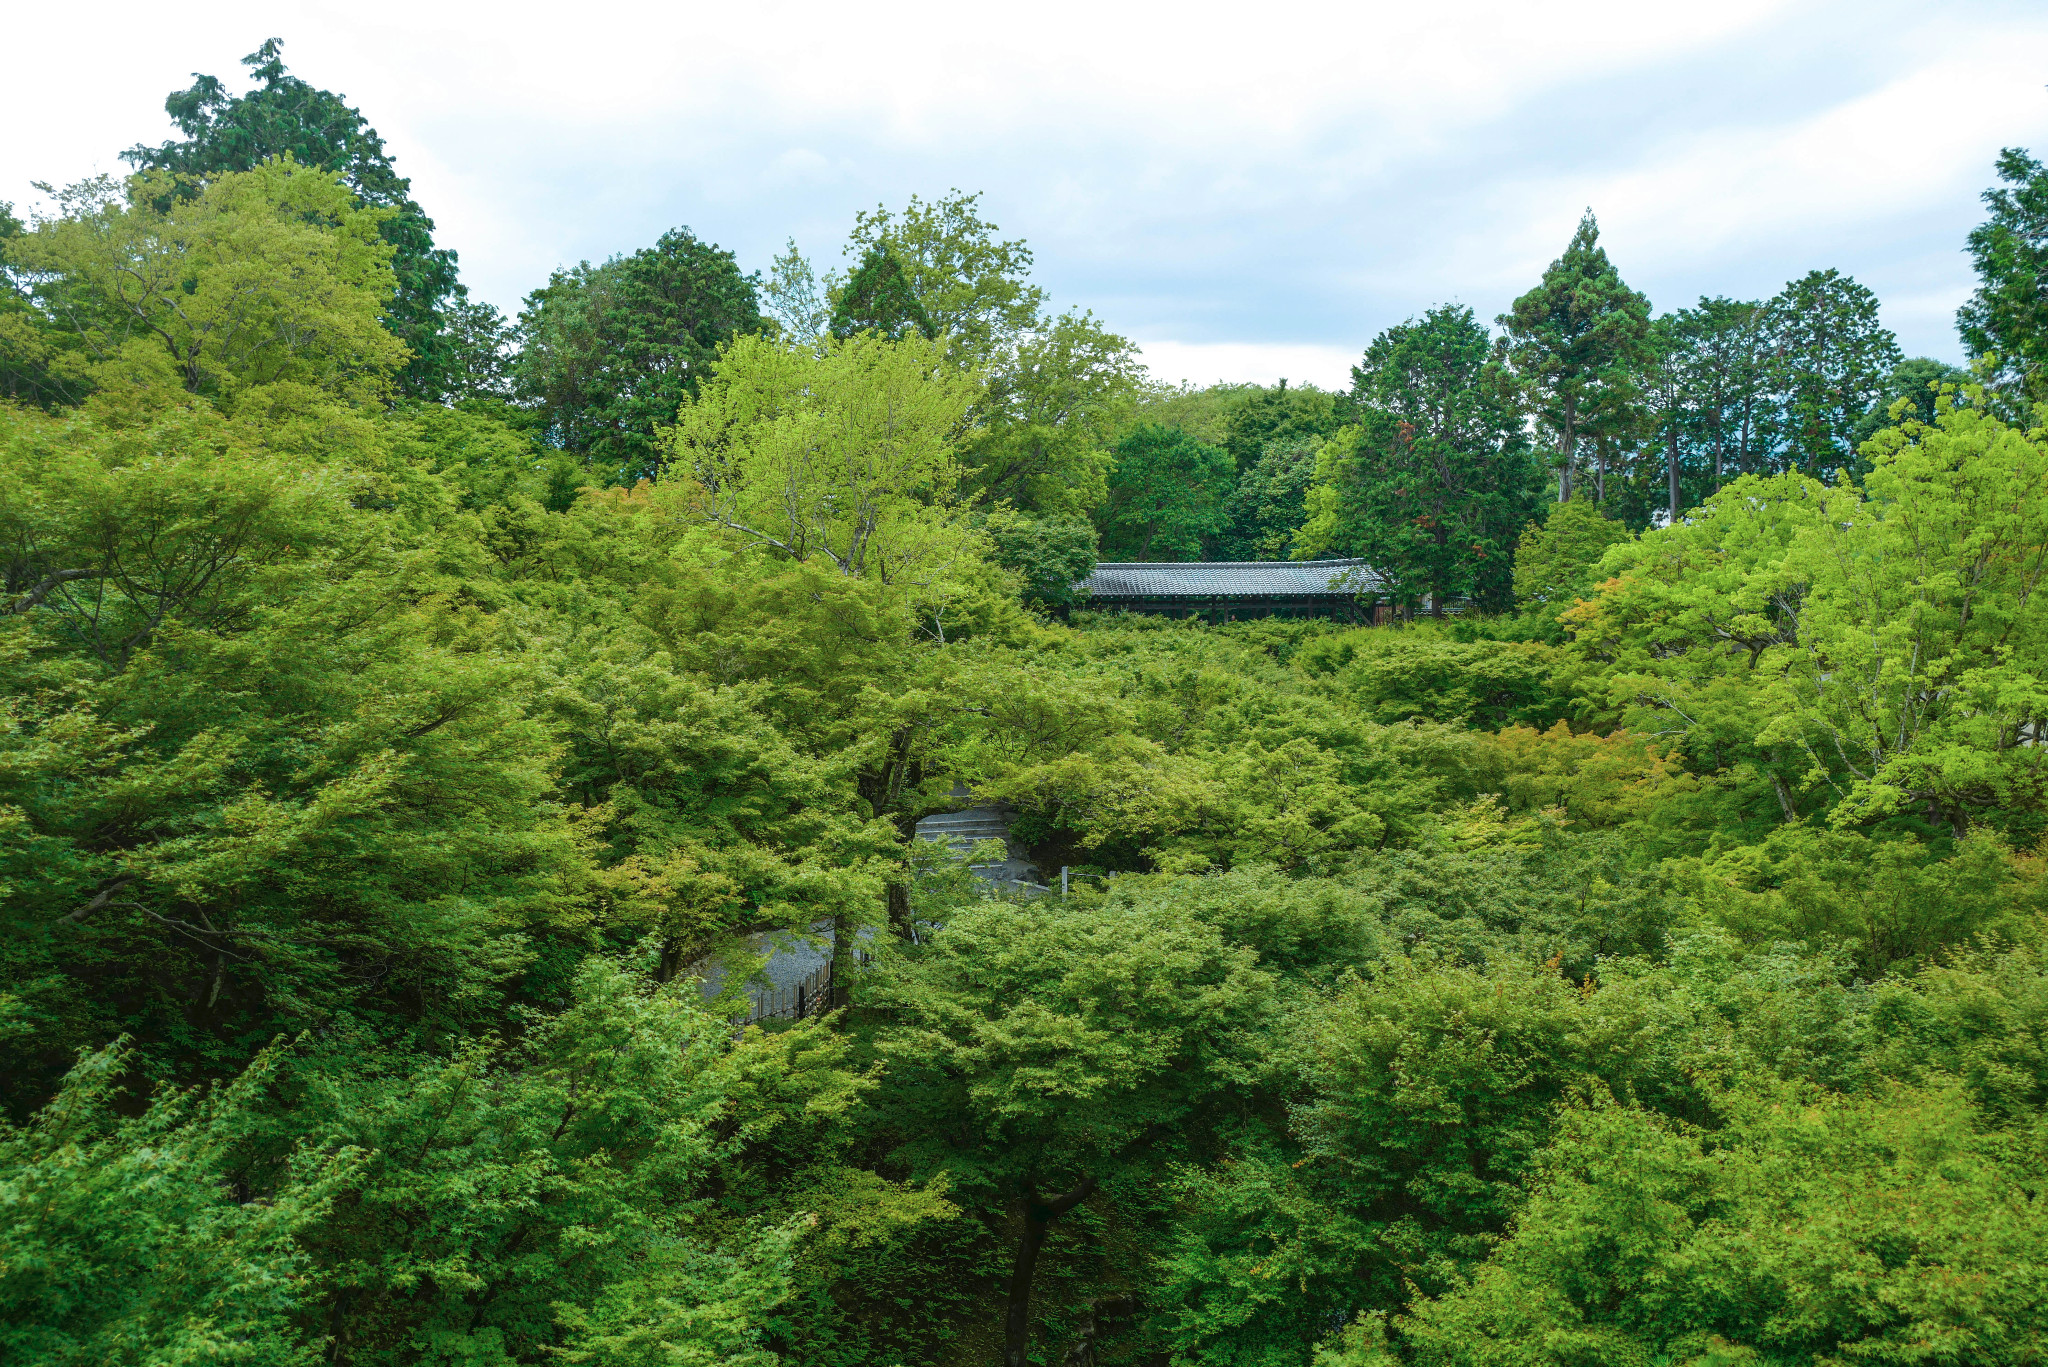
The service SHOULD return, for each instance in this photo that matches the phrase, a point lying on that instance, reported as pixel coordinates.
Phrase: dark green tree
(2008, 315)
(1916, 380)
(1435, 481)
(1579, 342)
(480, 342)
(1830, 357)
(610, 352)
(1166, 493)
(1717, 352)
(877, 298)
(1052, 554)
(284, 116)
(1264, 415)
(1270, 502)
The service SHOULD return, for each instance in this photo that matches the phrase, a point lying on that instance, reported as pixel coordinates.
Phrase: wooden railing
(810, 995)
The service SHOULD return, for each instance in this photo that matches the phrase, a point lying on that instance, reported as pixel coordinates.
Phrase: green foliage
(1052, 555)
(1886, 903)
(840, 456)
(972, 286)
(1800, 1229)
(1652, 976)
(610, 353)
(1264, 514)
(1919, 382)
(1395, 677)
(2007, 317)
(1043, 424)
(1831, 359)
(498, 1204)
(253, 757)
(1057, 1036)
(1434, 481)
(1578, 343)
(285, 118)
(1876, 644)
(265, 276)
(1556, 560)
(1256, 416)
(132, 1239)
(1166, 493)
(877, 298)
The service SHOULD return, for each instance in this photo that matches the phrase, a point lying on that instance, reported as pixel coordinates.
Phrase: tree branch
(100, 899)
(35, 596)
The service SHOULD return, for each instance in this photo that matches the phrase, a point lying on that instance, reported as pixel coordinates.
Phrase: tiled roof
(1233, 579)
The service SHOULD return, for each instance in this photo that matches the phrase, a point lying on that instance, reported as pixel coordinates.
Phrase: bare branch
(35, 596)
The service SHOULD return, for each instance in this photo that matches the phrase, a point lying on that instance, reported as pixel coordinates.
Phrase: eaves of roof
(1232, 579)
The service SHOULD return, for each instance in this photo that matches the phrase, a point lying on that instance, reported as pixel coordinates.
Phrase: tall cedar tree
(1435, 481)
(1580, 340)
(877, 298)
(286, 116)
(1718, 354)
(2008, 315)
(612, 351)
(1830, 360)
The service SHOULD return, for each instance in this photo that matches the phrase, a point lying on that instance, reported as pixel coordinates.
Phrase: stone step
(973, 816)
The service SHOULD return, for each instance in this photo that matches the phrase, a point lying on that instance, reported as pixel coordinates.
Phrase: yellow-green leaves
(1880, 650)
(842, 456)
(246, 279)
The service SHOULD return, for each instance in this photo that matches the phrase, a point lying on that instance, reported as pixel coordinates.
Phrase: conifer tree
(1579, 341)
(1830, 360)
(1433, 483)
(2008, 315)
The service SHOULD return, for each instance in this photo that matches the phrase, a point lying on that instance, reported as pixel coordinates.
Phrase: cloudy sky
(1249, 191)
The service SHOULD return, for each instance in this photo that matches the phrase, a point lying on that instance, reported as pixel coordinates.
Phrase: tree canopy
(467, 862)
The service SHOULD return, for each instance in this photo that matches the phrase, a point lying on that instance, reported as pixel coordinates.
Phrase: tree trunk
(1673, 470)
(897, 896)
(1038, 1218)
(842, 959)
(1567, 442)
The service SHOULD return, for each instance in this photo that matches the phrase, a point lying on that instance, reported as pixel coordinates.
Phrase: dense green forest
(406, 705)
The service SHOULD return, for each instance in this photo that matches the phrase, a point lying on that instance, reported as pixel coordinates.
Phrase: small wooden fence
(810, 995)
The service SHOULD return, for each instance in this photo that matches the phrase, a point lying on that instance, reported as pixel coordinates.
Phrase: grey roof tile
(1232, 578)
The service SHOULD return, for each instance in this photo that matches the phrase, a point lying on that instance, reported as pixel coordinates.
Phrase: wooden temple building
(1236, 590)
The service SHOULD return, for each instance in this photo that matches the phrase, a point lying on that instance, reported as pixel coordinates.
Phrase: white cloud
(1201, 363)
(1295, 176)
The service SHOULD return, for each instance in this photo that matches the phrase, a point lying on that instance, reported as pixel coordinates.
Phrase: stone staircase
(961, 830)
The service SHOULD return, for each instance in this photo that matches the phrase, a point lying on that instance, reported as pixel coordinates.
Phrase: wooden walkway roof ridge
(1207, 579)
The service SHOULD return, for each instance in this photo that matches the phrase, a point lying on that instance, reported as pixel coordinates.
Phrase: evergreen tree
(1264, 415)
(2008, 315)
(1917, 380)
(610, 352)
(877, 297)
(1270, 503)
(1166, 493)
(1433, 483)
(284, 116)
(1830, 357)
(1718, 352)
(1579, 341)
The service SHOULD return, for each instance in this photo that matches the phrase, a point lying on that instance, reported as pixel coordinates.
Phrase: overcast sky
(1250, 191)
